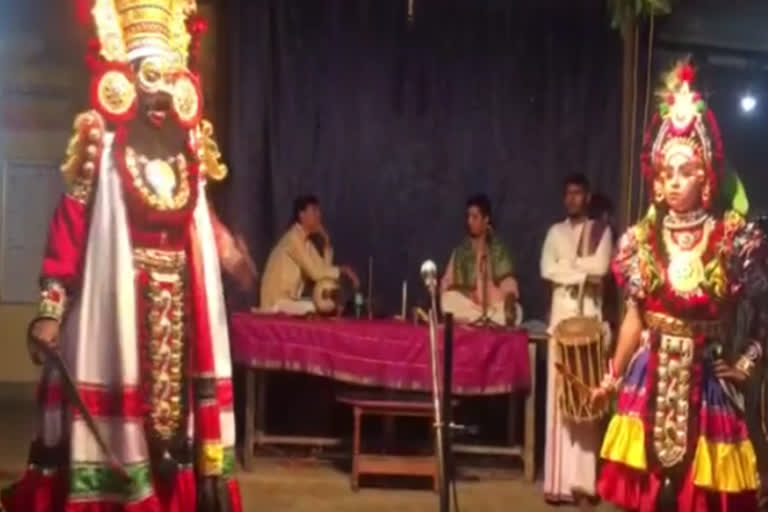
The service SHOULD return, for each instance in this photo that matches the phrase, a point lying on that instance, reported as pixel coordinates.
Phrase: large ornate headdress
(132, 29)
(683, 118)
(140, 42)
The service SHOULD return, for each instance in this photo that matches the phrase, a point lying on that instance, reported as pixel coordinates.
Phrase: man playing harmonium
(480, 273)
(295, 260)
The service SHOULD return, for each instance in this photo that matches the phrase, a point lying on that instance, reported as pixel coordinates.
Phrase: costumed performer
(678, 441)
(131, 286)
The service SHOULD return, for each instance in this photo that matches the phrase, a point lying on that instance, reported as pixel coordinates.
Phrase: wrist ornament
(53, 300)
(748, 360)
(611, 380)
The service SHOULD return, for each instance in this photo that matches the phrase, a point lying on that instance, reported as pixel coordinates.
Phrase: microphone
(429, 274)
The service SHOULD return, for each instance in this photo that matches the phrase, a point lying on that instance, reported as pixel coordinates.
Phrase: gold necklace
(685, 269)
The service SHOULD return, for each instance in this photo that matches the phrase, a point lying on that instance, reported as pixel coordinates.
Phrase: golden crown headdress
(131, 29)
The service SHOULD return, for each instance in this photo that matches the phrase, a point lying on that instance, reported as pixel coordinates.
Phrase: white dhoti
(465, 310)
(293, 307)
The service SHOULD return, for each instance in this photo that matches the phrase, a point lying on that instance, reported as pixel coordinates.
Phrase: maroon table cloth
(381, 353)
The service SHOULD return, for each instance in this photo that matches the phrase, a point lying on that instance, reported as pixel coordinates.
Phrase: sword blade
(77, 401)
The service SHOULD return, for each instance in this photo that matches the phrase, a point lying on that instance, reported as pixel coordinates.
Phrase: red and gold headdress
(132, 29)
(682, 118)
(164, 32)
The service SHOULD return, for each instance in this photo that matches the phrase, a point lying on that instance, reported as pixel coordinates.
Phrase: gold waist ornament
(673, 326)
(159, 260)
(163, 346)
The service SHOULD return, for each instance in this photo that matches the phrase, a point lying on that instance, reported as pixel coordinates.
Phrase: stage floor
(300, 484)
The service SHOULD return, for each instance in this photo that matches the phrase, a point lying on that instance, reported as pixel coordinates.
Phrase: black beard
(168, 138)
(154, 141)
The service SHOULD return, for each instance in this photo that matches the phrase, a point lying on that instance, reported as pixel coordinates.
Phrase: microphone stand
(436, 399)
(448, 426)
(442, 397)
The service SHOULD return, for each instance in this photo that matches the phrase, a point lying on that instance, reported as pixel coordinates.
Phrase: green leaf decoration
(733, 194)
(651, 213)
(625, 10)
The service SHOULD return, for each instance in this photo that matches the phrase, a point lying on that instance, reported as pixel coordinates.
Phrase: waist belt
(672, 326)
(159, 260)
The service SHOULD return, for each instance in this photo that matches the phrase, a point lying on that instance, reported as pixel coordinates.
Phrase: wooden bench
(377, 464)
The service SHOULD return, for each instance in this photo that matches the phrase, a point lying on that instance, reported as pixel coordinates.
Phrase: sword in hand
(51, 355)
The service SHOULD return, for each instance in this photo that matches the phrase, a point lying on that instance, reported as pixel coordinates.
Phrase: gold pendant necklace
(685, 269)
(157, 180)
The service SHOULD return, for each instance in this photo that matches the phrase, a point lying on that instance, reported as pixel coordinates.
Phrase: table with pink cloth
(382, 353)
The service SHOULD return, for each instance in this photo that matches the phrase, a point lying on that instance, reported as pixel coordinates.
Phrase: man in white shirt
(576, 252)
(295, 260)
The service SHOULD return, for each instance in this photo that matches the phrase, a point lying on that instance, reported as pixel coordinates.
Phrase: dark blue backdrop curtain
(393, 124)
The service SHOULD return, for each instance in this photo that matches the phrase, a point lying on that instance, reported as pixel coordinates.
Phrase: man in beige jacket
(295, 260)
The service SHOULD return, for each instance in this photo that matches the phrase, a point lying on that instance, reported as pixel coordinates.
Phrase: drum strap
(582, 251)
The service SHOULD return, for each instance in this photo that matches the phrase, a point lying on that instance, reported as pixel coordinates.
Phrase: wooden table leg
(388, 426)
(529, 444)
(250, 407)
(261, 404)
(356, 449)
(513, 418)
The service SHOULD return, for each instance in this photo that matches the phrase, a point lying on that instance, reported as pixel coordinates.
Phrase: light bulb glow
(748, 103)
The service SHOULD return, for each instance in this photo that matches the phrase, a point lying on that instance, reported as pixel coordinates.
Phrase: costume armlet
(208, 153)
(83, 155)
(53, 300)
(748, 360)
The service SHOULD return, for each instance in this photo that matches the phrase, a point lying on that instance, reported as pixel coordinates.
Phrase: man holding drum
(294, 261)
(575, 258)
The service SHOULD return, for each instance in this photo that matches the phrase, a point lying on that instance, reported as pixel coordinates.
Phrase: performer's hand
(598, 396)
(724, 370)
(324, 235)
(45, 332)
(347, 271)
(245, 271)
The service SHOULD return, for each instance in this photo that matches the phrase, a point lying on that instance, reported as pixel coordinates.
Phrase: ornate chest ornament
(163, 184)
(685, 248)
(686, 272)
